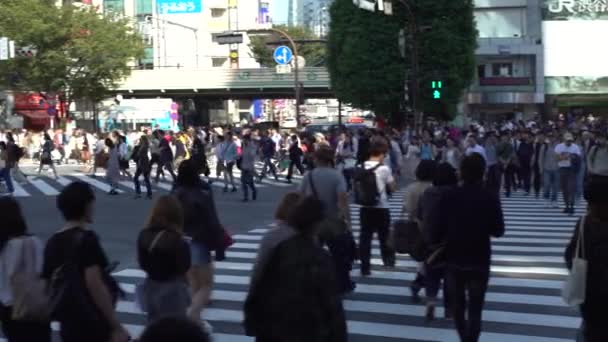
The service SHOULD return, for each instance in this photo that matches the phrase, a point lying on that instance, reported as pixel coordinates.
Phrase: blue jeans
(550, 184)
(5, 174)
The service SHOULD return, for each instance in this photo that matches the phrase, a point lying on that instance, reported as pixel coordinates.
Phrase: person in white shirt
(377, 218)
(569, 162)
(20, 253)
(473, 147)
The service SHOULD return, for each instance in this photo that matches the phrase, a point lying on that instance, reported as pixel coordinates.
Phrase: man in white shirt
(474, 147)
(569, 162)
(377, 218)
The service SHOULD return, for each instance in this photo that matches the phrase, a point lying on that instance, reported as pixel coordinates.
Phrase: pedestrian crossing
(46, 185)
(523, 301)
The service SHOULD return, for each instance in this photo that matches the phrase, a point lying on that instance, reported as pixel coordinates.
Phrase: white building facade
(509, 78)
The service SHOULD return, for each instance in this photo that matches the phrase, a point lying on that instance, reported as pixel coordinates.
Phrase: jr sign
(577, 6)
(179, 6)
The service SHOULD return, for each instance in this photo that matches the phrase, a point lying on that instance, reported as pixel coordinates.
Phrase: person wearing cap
(568, 160)
(550, 170)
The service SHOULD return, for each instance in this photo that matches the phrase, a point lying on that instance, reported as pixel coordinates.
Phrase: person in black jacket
(595, 245)
(164, 255)
(295, 157)
(296, 296)
(470, 215)
(537, 165)
(525, 152)
(203, 228)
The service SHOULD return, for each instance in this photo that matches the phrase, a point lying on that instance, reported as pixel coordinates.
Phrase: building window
(217, 12)
(116, 6)
(481, 71)
(143, 7)
(502, 69)
(218, 62)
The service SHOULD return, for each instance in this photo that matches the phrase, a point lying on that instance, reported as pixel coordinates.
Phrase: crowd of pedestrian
(303, 270)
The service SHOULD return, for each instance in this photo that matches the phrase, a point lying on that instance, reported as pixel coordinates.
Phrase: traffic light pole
(413, 77)
(296, 74)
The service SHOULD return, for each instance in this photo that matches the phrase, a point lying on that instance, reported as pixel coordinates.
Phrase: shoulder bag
(30, 299)
(575, 286)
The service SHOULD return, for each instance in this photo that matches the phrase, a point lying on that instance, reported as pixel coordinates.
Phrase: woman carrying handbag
(587, 258)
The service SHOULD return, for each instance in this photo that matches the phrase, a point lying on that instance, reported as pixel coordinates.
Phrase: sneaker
(566, 210)
(208, 327)
(365, 272)
(113, 192)
(234, 190)
(254, 195)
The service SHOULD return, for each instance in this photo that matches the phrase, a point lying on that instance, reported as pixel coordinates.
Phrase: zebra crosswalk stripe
(522, 303)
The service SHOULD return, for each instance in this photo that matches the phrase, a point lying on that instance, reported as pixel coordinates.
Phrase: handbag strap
(580, 245)
(155, 240)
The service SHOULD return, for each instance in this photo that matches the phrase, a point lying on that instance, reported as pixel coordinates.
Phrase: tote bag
(575, 286)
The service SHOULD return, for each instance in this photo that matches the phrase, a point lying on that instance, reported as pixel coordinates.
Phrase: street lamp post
(296, 64)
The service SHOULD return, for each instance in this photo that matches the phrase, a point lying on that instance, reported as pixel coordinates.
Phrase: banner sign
(179, 6)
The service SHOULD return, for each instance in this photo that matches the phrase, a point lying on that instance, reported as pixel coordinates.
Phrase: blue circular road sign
(283, 55)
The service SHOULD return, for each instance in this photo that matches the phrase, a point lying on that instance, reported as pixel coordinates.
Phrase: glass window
(217, 12)
(501, 23)
(218, 62)
(502, 69)
(143, 7)
(481, 71)
(117, 6)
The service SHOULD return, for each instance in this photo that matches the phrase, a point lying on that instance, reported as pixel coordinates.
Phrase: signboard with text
(179, 6)
(575, 9)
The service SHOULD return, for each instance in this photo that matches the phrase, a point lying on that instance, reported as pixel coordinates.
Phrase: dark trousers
(297, 163)
(155, 159)
(494, 178)
(375, 220)
(248, 183)
(466, 292)
(19, 331)
(510, 184)
(268, 165)
(538, 181)
(343, 252)
(146, 173)
(567, 179)
(167, 165)
(525, 176)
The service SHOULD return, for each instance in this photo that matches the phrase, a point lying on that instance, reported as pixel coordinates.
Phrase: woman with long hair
(19, 252)
(164, 255)
(45, 155)
(141, 157)
(203, 229)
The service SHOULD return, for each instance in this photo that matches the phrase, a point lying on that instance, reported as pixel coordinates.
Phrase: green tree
(368, 71)
(79, 53)
(314, 53)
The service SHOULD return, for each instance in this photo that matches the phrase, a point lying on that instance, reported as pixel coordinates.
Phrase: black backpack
(135, 153)
(366, 186)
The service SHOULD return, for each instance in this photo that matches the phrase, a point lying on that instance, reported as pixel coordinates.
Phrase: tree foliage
(368, 71)
(80, 53)
(314, 53)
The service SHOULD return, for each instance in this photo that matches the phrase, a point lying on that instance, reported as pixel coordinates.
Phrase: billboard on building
(575, 61)
(179, 6)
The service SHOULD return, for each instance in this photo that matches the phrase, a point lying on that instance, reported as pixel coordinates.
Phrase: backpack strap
(312, 185)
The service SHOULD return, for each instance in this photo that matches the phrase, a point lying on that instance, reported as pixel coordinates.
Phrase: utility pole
(413, 77)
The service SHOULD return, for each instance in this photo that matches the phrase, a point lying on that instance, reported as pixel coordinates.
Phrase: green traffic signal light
(436, 86)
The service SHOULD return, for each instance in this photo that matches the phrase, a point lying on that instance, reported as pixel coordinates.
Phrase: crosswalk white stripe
(63, 181)
(44, 187)
(19, 190)
(94, 182)
(390, 330)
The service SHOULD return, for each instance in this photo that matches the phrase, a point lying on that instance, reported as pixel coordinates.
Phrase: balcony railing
(505, 81)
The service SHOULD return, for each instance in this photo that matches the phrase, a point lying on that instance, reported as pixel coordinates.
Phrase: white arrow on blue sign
(283, 55)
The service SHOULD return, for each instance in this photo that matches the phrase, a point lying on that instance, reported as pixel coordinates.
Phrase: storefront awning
(35, 117)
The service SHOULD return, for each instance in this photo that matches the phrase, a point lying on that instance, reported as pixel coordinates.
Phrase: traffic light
(234, 59)
(436, 88)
